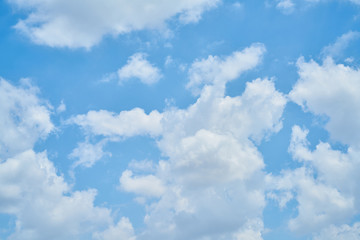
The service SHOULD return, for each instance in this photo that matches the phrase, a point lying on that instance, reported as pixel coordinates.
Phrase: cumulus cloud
(124, 124)
(66, 23)
(24, 117)
(212, 164)
(325, 187)
(138, 67)
(212, 175)
(332, 90)
(31, 189)
(215, 70)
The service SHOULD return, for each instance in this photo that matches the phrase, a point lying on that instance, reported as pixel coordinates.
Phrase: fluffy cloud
(66, 23)
(215, 70)
(332, 90)
(125, 124)
(149, 185)
(31, 189)
(325, 187)
(24, 117)
(212, 175)
(213, 167)
(138, 67)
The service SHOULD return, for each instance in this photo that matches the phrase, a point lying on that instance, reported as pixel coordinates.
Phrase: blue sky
(202, 119)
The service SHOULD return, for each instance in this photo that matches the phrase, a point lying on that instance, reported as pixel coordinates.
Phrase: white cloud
(123, 230)
(215, 70)
(31, 189)
(251, 230)
(67, 23)
(211, 165)
(138, 67)
(325, 187)
(24, 117)
(319, 204)
(125, 124)
(337, 48)
(149, 185)
(331, 90)
(286, 6)
(87, 154)
(343, 232)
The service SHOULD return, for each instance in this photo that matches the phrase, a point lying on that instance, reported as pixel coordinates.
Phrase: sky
(188, 119)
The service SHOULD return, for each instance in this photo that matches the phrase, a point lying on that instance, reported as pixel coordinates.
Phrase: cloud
(74, 24)
(24, 117)
(325, 187)
(149, 185)
(343, 232)
(61, 108)
(210, 180)
(122, 230)
(215, 70)
(337, 48)
(87, 154)
(31, 189)
(332, 90)
(125, 124)
(138, 67)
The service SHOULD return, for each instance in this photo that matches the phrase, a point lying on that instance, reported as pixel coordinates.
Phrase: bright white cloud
(138, 67)
(24, 117)
(336, 49)
(319, 204)
(31, 189)
(331, 90)
(211, 164)
(67, 23)
(216, 70)
(149, 185)
(325, 187)
(125, 124)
